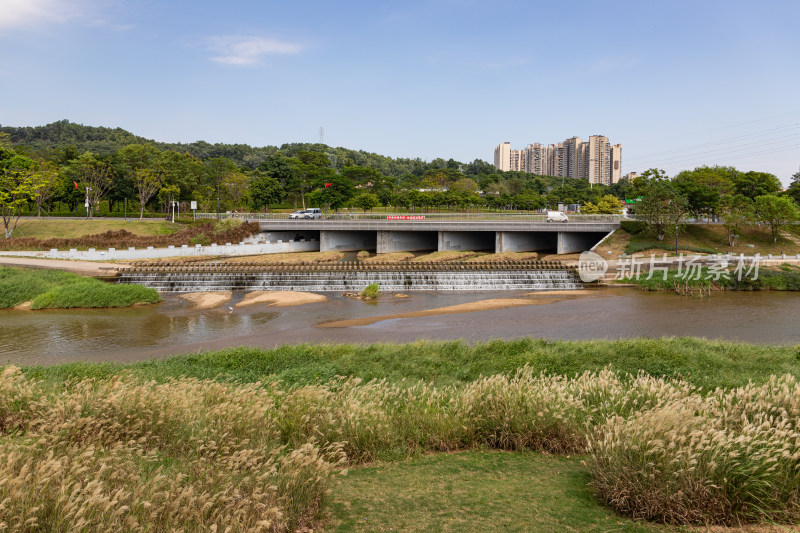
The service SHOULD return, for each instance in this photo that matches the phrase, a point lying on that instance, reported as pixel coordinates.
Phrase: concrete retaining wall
(174, 251)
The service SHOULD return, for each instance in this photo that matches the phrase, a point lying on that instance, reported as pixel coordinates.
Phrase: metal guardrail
(465, 217)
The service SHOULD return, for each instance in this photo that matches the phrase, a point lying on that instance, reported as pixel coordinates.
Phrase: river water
(172, 327)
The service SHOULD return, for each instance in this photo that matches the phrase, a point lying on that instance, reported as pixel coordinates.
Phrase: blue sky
(677, 83)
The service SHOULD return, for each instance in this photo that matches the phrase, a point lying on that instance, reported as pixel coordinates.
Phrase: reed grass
(185, 454)
(101, 447)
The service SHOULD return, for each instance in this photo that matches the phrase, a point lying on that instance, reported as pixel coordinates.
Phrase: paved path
(84, 268)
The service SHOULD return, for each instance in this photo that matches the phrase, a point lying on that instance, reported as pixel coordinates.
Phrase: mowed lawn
(475, 491)
(45, 228)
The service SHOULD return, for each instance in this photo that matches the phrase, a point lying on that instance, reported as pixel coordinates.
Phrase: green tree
(776, 212)
(366, 201)
(794, 188)
(736, 211)
(265, 191)
(465, 185)
(662, 207)
(279, 168)
(18, 183)
(217, 170)
(93, 177)
(168, 194)
(753, 184)
(146, 182)
(334, 196)
(702, 199)
(46, 184)
(361, 175)
(236, 187)
(607, 205)
(316, 159)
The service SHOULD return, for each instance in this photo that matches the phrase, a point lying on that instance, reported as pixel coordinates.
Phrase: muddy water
(172, 327)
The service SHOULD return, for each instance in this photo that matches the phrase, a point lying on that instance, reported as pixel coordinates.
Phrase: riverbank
(32, 289)
(402, 403)
(784, 278)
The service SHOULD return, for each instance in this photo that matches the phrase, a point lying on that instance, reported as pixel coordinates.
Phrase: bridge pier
(571, 241)
(466, 240)
(406, 241)
(346, 241)
(519, 241)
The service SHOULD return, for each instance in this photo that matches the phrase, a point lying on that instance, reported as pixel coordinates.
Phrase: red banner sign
(405, 217)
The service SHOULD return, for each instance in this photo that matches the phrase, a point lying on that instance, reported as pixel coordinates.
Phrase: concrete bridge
(505, 234)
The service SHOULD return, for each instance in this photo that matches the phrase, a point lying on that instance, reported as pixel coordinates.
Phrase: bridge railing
(418, 217)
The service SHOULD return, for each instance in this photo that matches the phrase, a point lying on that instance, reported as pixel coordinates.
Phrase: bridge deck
(436, 225)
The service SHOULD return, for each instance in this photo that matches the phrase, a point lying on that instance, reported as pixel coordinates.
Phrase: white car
(314, 212)
(556, 216)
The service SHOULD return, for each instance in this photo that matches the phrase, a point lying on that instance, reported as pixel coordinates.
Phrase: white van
(556, 216)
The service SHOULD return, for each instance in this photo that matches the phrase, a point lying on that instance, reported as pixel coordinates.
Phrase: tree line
(735, 198)
(40, 173)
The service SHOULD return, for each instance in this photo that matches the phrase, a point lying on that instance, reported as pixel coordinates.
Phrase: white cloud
(23, 14)
(247, 51)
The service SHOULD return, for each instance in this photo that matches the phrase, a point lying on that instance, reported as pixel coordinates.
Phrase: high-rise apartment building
(502, 157)
(595, 160)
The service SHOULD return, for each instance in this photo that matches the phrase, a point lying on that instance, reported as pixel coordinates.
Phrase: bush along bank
(262, 456)
(785, 278)
(53, 289)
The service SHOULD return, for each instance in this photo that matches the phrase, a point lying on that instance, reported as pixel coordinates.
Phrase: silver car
(307, 214)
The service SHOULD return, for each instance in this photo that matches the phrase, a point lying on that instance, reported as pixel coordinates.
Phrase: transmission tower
(321, 135)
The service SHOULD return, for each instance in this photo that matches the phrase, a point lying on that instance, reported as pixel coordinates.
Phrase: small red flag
(76, 183)
(328, 185)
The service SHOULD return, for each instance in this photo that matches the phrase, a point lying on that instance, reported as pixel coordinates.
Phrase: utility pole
(86, 203)
(321, 135)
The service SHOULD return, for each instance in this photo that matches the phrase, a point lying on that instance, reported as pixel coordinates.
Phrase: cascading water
(346, 279)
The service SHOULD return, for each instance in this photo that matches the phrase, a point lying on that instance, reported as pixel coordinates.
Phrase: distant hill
(103, 141)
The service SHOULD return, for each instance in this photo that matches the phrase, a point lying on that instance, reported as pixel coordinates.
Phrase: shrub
(227, 224)
(634, 227)
(201, 239)
(370, 292)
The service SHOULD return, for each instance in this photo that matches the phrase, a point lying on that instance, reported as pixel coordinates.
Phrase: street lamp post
(676, 238)
(86, 203)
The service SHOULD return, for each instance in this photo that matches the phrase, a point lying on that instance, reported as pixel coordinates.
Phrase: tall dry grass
(730, 457)
(189, 454)
(186, 455)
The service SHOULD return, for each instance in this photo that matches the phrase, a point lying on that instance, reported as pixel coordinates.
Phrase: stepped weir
(352, 276)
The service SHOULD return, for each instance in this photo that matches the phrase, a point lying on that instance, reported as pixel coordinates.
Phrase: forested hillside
(44, 140)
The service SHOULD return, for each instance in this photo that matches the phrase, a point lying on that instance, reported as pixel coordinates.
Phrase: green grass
(783, 278)
(371, 291)
(705, 363)
(699, 238)
(475, 491)
(54, 289)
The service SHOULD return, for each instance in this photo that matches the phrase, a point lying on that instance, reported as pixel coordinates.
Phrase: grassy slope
(706, 363)
(53, 289)
(69, 229)
(700, 236)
